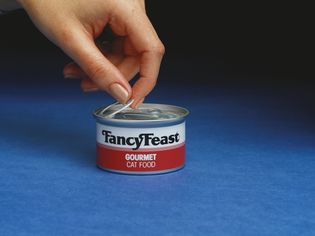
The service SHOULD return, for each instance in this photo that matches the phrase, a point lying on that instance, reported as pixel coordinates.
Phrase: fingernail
(70, 76)
(90, 89)
(136, 106)
(119, 93)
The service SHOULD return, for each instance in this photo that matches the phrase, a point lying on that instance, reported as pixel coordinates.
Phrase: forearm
(8, 5)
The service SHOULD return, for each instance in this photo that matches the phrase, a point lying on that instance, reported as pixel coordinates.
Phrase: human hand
(74, 25)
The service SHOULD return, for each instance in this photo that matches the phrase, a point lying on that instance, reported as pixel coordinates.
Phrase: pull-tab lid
(146, 112)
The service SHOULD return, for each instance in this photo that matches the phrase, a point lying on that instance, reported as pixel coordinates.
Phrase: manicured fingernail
(70, 76)
(90, 89)
(136, 106)
(119, 93)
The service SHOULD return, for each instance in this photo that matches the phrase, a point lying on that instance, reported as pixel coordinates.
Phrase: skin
(74, 25)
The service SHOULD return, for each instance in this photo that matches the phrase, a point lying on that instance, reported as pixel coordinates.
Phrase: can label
(140, 149)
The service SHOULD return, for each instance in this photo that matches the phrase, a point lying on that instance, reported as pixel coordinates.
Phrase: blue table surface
(250, 166)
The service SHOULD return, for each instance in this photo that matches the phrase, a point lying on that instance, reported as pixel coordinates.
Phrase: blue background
(250, 164)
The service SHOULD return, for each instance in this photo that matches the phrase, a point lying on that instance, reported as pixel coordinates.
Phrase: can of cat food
(147, 140)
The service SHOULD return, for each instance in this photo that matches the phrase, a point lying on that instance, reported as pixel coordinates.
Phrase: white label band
(140, 138)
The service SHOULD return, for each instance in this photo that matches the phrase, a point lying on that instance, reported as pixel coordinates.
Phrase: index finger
(147, 43)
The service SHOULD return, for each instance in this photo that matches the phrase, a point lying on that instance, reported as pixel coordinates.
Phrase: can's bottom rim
(158, 172)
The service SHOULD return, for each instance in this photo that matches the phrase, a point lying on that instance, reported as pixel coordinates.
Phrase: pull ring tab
(128, 104)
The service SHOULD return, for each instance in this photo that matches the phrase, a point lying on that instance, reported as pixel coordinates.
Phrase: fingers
(73, 71)
(129, 67)
(114, 79)
(142, 2)
(81, 47)
(151, 50)
(88, 85)
(149, 70)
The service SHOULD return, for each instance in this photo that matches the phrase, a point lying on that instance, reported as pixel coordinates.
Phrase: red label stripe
(144, 160)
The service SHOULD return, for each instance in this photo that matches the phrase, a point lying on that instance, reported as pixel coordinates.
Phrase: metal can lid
(145, 113)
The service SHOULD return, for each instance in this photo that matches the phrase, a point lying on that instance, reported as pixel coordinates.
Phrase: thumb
(80, 45)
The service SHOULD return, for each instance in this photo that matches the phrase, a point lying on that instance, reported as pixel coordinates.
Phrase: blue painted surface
(250, 165)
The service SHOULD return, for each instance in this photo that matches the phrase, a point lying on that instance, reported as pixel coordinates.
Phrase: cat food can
(147, 140)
